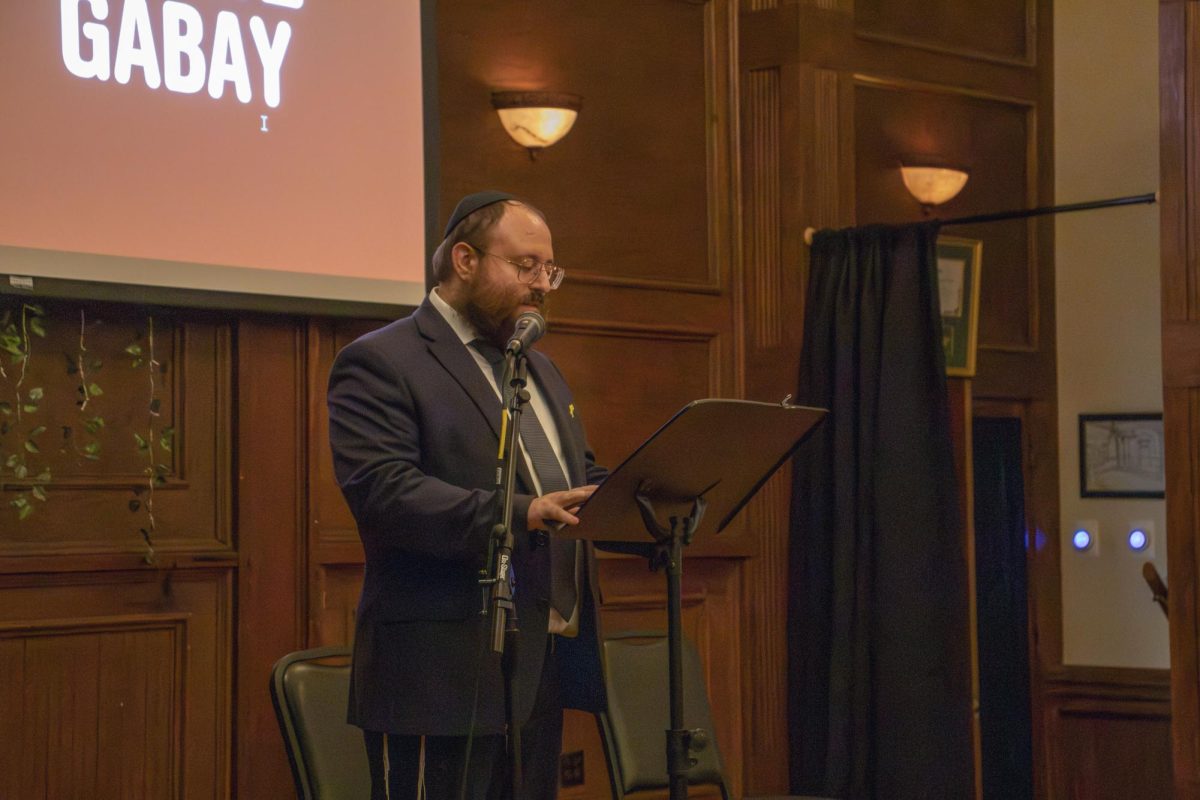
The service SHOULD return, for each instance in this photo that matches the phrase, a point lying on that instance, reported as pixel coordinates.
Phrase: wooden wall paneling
(117, 684)
(1179, 103)
(272, 508)
(638, 180)
(628, 379)
(107, 486)
(769, 309)
(1109, 734)
(1003, 32)
(764, 657)
(83, 684)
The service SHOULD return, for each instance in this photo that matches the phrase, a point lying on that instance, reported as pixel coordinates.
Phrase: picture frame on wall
(1121, 455)
(958, 265)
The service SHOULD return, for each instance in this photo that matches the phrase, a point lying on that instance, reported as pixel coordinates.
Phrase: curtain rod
(1133, 199)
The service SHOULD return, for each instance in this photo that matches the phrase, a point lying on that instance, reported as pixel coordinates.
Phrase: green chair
(309, 690)
(633, 728)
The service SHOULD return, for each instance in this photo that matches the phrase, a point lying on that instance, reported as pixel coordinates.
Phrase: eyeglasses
(528, 269)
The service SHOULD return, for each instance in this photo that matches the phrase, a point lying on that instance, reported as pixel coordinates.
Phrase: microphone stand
(499, 582)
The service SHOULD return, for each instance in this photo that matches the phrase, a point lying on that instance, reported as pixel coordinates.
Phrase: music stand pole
(668, 554)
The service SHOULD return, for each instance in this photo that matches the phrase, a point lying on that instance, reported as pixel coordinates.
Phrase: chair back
(310, 690)
(634, 728)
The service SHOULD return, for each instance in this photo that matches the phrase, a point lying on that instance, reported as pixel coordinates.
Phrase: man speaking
(415, 417)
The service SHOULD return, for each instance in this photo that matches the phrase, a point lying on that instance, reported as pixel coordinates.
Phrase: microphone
(530, 327)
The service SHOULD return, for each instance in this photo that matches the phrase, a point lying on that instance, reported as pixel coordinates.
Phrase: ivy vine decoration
(156, 442)
(83, 369)
(20, 430)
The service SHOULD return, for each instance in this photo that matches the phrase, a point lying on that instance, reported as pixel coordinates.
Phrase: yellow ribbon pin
(571, 410)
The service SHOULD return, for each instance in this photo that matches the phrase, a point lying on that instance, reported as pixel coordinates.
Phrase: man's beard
(496, 325)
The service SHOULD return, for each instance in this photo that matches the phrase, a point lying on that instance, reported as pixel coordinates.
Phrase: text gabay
(178, 42)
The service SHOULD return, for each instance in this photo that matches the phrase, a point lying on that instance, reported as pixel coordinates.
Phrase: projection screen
(261, 147)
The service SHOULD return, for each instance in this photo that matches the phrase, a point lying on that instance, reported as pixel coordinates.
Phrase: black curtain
(879, 671)
(1002, 630)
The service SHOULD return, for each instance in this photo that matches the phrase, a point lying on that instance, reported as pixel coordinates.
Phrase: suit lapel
(451, 353)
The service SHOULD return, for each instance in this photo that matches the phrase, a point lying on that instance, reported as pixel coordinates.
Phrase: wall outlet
(570, 769)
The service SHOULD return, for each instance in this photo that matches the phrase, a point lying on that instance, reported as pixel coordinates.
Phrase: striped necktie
(563, 595)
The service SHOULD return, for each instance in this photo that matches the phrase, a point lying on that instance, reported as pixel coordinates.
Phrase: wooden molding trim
(1181, 354)
(1123, 683)
(763, 225)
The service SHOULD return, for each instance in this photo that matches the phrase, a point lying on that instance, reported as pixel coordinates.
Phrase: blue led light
(1081, 539)
(1138, 540)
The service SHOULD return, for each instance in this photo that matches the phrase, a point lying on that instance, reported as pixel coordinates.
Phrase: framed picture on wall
(958, 291)
(1121, 455)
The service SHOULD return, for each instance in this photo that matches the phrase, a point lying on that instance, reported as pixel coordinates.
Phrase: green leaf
(39, 493)
(5, 408)
(21, 472)
(97, 364)
(91, 448)
(24, 511)
(29, 408)
(134, 349)
(91, 456)
(35, 325)
(31, 447)
(36, 309)
(19, 501)
(94, 390)
(44, 475)
(11, 461)
(141, 443)
(36, 393)
(38, 431)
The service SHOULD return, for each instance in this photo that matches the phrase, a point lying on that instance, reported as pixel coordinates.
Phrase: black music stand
(712, 456)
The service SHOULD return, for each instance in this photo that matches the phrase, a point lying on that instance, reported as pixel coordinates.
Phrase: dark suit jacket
(414, 427)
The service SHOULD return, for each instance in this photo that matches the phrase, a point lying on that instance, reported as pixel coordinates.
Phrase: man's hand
(557, 508)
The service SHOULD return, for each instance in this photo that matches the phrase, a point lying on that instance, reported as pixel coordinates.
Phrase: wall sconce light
(536, 119)
(930, 183)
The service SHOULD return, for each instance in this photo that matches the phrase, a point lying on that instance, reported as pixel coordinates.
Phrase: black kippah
(472, 203)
